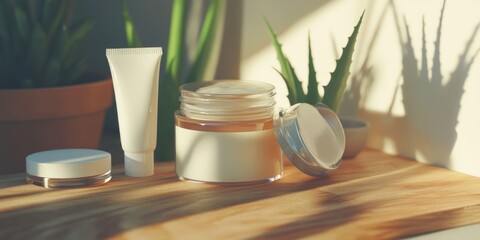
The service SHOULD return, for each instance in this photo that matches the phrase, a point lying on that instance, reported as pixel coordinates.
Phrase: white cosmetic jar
(66, 168)
(230, 132)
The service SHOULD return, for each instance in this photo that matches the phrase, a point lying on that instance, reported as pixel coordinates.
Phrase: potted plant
(355, 130)
(175, 72)
(46, 99)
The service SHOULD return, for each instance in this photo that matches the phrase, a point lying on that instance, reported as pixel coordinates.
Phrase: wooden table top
(372, 196)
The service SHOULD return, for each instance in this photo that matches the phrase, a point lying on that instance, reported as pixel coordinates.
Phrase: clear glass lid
(227, 100)
(312, 138)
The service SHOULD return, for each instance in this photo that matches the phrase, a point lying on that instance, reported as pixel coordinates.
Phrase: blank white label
(227, 156)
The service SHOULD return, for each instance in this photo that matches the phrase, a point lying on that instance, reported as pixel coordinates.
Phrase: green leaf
(38, 51)
(38, 6)
(205, 42)
(77, 33)
(48, 10)
(37, 47)
(167, 105)
(131, 34)
(59, 49)
(23, 6)
(176, 39)
(335, 88)
(312, 96)
(71, 75)
(52, 74)
(22, 25)
(73, 65)
(286, 68)
(54, 13)
(9, 21)
(27, 83)
(301, 97)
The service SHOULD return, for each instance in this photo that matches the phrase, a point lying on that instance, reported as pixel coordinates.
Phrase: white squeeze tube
(135, 74)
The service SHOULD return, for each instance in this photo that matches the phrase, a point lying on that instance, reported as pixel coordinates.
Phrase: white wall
(431, 115)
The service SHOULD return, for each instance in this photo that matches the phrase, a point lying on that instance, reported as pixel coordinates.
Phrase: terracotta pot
(33, 120)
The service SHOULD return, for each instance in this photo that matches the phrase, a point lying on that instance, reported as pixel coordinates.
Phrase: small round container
(230, 132)
(68, 168)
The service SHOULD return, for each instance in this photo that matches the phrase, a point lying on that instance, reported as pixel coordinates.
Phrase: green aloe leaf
(74, 36)
(176, 37)
(22, 25)
(54, 13)
(52, 73)
(38, 51)
(312, 97)
(8, 17)
(74, 64)
(79, 31)
(47, 11)
(8, 20)
(285, 66)
(27, 83)
(59, 49)
(335, 88)
(133, 40)
(37, 46)
(167, 104)
(23, 5)
(72, 74)
(38, 6)
(301, 97)
(205, 42)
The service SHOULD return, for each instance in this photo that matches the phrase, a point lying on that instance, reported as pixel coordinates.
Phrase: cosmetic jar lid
(68, 167)
(311, 137)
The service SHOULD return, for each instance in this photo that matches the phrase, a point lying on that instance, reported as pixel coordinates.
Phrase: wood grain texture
(374, 196)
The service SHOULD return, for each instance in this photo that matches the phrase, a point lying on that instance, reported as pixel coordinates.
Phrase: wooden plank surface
(372, 196)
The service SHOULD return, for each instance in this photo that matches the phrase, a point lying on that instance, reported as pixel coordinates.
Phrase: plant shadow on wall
(431, 108)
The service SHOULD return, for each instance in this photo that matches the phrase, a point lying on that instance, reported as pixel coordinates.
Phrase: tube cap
(139, 164)
(312, 138)
(68, 163)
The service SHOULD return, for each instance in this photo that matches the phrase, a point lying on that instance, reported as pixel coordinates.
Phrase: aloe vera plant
(38, 47)
(174, 74)
(333, 94)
